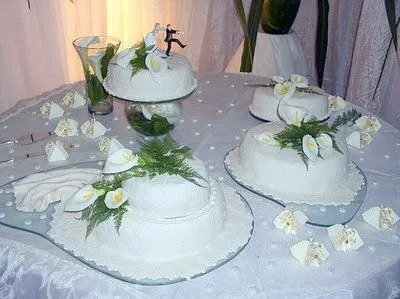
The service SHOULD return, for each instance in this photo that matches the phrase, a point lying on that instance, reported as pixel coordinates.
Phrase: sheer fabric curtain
(360, 66)
(36, 52)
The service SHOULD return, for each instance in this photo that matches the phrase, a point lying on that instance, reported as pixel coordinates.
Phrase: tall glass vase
(95, 53)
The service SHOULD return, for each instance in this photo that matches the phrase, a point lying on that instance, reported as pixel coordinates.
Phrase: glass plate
(39, 224)
(319, 215)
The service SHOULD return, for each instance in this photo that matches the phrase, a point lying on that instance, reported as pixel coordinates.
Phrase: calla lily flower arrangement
(309, 137)
(107, 199)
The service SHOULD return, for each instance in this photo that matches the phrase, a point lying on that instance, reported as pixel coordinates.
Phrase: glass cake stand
(318, 215)
(154, 118)
(39, 223)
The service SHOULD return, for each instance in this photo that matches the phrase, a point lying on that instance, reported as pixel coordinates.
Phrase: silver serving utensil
(31, 155)
(26, 139)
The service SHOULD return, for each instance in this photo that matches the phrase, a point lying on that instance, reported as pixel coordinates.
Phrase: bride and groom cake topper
(151, 41)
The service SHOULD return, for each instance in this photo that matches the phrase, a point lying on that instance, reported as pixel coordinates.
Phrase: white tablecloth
(215, 118)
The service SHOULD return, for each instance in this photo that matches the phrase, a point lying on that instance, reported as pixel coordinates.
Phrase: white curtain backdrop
(36, 52)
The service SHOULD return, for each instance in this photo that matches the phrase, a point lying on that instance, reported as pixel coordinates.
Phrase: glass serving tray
(319, 215)
(39, 224)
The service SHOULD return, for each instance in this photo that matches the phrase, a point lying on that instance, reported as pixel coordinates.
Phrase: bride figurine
(150, 39)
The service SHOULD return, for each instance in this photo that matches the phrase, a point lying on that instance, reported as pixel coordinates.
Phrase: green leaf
(106, 59)
(278, 15)
(322, 38)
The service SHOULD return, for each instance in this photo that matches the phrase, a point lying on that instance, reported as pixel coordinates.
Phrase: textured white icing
(265, 105)
(161, 248)
(282, 173)
(176, 82)
(169, 196)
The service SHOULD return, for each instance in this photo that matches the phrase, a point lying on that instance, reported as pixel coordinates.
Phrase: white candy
(336, 103)
(289, 221)
(93, 129)
(67, 128)
(310, 254)
(109, 146)
(368, 123)
(343, 238)
(51, 110)
(359, 139)
(74, 100)
(55, 151)
(381, 218)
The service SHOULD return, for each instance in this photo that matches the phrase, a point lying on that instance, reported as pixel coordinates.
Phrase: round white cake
(172, 228)
(178, 81)
(281, 173)
(265, 105)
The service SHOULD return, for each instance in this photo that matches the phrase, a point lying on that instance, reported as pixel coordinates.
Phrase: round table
(215, 118)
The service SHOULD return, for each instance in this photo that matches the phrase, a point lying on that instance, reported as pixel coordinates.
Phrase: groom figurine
(169, 38)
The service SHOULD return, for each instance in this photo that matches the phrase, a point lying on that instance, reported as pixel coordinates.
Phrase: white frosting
(265, 105)
(176, 82)
(37, 191)
(156, 247)
(165, 189)
(282, 173)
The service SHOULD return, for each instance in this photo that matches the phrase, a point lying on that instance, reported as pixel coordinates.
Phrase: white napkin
(37, 191)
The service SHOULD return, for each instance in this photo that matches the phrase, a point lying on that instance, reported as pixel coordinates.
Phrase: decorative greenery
(139, 62)
(167, 156)
(250, 29)
(278, 15)
(157, 125)
(321, 42)
(349, 116)
(158, 156)
(292, 135)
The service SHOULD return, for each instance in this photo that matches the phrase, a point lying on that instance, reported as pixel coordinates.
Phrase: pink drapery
(36, 52)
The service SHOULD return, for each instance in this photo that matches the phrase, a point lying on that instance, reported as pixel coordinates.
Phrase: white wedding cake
(298, 162)
(266, 99)
(265, 104)
(171, 228)
(173, 80)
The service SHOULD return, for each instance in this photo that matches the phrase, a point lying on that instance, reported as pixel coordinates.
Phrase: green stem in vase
(94, 88)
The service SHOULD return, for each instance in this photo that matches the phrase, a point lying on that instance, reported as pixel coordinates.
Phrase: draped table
(214, 120)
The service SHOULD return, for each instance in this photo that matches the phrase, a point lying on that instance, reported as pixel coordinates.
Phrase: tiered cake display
(299, 160)
(151, 82)
(155, 216)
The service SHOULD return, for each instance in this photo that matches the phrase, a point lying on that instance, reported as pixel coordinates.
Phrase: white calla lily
(156, 65)
(299, 80)
(120, 160)
(291, 114)
(310, 147)
(266, 138)
(324, 141)
(124, 57)
(88, 40)
(170, 111)
(95, 63)
(278, 79)
(81, 199)
(114, 199)
(83, 50)
(285, 90)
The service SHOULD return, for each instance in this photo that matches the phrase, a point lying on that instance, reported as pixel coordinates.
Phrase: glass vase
(153, 119)
(95, 53)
